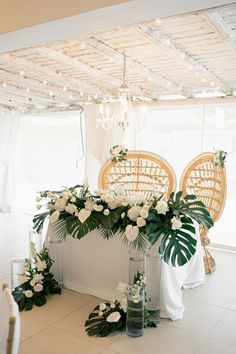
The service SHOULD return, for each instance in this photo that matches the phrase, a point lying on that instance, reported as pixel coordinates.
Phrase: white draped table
(95, 266)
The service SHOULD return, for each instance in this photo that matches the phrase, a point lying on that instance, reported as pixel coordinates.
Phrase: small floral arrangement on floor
(220, 157)
(37, 282)
(110, 317)
(118, 153)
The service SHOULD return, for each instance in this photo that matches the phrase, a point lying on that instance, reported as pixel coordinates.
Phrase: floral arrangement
(220, 157)
(109, 317)
(37, 282)
(118, 153)
(75, 211)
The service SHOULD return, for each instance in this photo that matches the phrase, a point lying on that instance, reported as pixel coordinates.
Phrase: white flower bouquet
(75, 212)
(36, 283)
(118, 153)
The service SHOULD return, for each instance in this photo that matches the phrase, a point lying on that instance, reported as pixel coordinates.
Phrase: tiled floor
(208, 326)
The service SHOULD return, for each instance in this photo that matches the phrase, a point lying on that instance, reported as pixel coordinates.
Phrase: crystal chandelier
(117, 113)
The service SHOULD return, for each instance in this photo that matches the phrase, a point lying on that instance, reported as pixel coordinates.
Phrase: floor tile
(224, 274)
(215, 294)
(58, 306)
(54, 341)
(74, 324)
(210, 346)
(198, 317)
(30, 327)
(161, 340)
(225, 330)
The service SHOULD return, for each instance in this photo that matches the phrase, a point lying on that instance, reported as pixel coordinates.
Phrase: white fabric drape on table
(98, 144)
(9, 126)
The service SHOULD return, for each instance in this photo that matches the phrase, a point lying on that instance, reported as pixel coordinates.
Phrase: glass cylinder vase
(135, 313)
(17, 269)
(136, 264)
(55, 249)
(153, 282)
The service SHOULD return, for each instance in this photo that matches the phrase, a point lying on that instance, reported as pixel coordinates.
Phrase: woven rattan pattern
(141, 172)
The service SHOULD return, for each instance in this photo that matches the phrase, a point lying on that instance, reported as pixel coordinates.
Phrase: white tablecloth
(95, 266)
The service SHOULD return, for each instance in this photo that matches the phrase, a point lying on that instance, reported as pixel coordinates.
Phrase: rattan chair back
(207, 181)
(141, 172)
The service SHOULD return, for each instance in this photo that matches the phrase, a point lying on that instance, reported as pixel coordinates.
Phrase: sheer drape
(98, 144)
(9, 125)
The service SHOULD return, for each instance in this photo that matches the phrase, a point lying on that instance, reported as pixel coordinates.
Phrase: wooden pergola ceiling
(185, 56)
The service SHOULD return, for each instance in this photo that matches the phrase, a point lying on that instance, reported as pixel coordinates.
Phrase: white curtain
(98, 144)
(9, 125)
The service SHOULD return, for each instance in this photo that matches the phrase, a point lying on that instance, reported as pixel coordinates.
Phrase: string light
(45, 82)
(28, 89)
(64, 89)
(4, 84)
(81, 93)
(203, 79)
(50, 93)
(158, 21)
(71, 97)
(82, 45)
(196, 74)
(22, 73)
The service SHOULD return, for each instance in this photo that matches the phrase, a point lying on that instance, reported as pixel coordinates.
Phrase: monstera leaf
(177, 246)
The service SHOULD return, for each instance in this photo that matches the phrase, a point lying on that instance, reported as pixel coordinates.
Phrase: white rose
(38, 206)
(73, 199)
(106, 212)
(134, 212)
(124, 203)
(41, 265)
(22, 279)
(100, 313)
(66, 194)
(98, 207)
(107, 197)
(70, 208)
(117, 150)
(32, 282)
(89, 204)
(113, 317)
(143, 213)
(162, 207)
(38, 287)
(54, 216)
(38, 278)
(122, 287)
(102, 306)
(122, 215)
(123, 304)
(60, 204)
(131, 232)
(38, 198)
(140, 222)
(28, 293)
(112, 305)
(176, 223)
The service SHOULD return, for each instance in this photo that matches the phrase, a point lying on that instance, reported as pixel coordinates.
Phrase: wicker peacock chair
(141, 172)
(208, 182)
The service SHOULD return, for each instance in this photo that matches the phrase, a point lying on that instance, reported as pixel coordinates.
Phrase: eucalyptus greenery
(75, 212)
(37, 282)
(220, 157)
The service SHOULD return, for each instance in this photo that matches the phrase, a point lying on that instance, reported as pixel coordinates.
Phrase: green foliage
(99, 326)
(49, 285)
(177, 243)
(177, 246)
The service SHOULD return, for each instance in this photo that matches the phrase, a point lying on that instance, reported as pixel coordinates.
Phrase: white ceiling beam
(74, 63)
(136, 67)
(155, 36)
(34, 85)
(10, 89)
(51, 75)
(222, 27)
